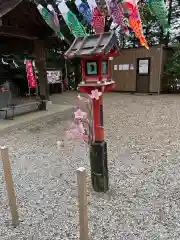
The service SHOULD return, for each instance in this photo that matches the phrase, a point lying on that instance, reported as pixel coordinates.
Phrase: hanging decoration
(50, 19)
(85, 10)
(71, 20)
(135, 21)
(54, 14)
(10, 60)
(98, 19)
(159, 10)
(56, 20)
(116, 11)
(30, 75)
(3, 62)
(15, 64)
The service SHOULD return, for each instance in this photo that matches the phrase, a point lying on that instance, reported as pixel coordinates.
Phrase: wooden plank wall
(126, 79)
(167, 53)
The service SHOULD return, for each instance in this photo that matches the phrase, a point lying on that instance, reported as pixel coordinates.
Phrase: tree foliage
(172, 68)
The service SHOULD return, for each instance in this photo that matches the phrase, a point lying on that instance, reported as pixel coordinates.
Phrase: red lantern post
(95, 51)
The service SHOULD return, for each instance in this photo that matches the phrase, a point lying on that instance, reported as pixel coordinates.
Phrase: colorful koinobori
(98, 19)
(85, 10)
(135, 20)
(116, 11)
(50, 18)
(76, 28)
(93, 16)
(159, 10)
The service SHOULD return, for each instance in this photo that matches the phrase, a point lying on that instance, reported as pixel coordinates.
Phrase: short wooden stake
(82, 198)
(10, 186)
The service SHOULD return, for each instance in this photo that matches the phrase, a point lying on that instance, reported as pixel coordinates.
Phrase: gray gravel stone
(144, 167)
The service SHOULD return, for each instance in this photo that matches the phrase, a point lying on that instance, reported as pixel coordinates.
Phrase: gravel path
(144, 165)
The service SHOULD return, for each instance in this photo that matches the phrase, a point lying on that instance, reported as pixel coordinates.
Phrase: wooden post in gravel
(82, 198)
(10, 186)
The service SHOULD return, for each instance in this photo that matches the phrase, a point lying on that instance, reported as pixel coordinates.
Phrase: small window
(104, 67)
(91, 68)
(143, 66)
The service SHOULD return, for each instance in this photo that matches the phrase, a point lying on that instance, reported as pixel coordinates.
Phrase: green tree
(171, 80)
(173, 66)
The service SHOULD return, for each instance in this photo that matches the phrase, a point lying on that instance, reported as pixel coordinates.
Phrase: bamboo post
(82, 198)
(9, 184)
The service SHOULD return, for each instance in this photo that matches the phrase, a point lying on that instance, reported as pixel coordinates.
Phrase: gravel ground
(144, 166)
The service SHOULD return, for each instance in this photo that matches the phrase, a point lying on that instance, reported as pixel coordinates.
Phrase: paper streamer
(71, 20)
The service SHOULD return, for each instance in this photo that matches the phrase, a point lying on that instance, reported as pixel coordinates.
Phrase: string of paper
(71, 20)
(159, 10)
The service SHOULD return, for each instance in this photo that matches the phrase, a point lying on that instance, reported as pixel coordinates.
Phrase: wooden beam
(40, 61)
(81, 45)
(14, 45)
(99, 40)
(82, 198)
(14, 35)
(10, 187)
(17, 32)
(71, 47)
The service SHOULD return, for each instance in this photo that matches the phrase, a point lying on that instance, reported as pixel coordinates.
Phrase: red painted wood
(98, 129)
(99, 76)
(83, 67)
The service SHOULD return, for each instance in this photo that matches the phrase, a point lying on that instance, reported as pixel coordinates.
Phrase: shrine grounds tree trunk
(42, 75)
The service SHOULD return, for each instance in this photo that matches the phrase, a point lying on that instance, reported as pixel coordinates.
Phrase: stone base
(99, 168)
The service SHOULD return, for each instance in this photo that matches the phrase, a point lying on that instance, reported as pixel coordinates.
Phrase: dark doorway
(143, 75)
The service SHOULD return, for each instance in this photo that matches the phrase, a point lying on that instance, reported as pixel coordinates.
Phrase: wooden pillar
(41, 67)
(82, 197)
(9, 183)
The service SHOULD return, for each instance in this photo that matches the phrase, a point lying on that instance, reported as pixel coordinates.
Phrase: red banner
(30, 75)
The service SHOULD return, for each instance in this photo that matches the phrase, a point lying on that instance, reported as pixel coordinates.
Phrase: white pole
(10, 186)
(82, 198)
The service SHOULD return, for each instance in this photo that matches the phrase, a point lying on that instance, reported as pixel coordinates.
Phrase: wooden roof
(21, 24)
(92, 45)
(7, 5)
(21, 19)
